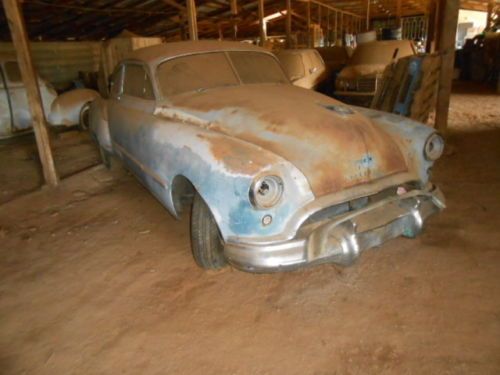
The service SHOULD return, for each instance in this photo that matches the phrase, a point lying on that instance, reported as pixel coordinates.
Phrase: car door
(131, 106)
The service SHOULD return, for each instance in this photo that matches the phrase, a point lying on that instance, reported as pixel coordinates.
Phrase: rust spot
(333, 151)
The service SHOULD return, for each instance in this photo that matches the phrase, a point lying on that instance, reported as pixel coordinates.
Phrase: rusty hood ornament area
(279, 176)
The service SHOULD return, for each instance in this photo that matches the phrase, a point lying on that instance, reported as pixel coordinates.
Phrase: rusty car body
(15, 117)
(290, 177)
(362, 75)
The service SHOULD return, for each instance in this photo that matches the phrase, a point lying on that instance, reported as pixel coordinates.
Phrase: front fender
(410, 136)
(98, 122)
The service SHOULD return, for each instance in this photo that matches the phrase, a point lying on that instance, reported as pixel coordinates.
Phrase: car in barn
(304, 67)
(67, 109)
(276, 177)
(358, 81)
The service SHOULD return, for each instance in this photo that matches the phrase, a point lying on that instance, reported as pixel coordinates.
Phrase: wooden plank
(234, 21)
(262, 24)
(288, 23)
(448, 28)
(368, 15)
(192, 21)
(308, 11)
(17, 27)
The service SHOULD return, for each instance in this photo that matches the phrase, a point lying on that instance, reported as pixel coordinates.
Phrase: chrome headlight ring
(434, 147)
(266, 191)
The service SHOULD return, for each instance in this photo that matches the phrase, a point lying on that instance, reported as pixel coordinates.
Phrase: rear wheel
(84, 118)
(206, 241)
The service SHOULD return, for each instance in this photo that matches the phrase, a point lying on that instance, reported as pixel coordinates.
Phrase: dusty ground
(20, 170)
(96, 278)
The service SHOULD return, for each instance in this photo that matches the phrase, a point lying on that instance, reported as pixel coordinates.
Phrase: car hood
(360, 70)
(333, 146)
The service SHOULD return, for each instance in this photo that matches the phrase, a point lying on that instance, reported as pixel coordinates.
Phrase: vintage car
(276, 176)
(304, 67)
(68, 109)
(358, 81)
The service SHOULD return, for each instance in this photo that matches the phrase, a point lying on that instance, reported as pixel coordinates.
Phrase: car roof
(155, 54)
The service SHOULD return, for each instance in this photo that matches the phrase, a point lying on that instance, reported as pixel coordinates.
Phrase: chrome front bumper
(341, 239)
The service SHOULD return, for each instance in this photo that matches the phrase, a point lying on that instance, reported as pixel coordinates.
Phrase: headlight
(266, 191)
(434, 147)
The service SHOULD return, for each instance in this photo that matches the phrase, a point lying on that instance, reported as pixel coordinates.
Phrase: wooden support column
(342, 42)
(368, 15)
(309, 39)
(328, 32)
(262, 24)
(448, 32)
(192, 22)
(288, 23)
(17, 27)
(399, 13)
(234, 14)
(430, 41)
(335, 27)
(489, 15)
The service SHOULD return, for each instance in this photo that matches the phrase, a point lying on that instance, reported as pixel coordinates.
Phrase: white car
(67, 109)
(304, 67)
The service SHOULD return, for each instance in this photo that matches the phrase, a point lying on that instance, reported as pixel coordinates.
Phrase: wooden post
(431, 27)
(192, 22)
(288, 23)
(489, 15)
(399, 13)
(17, 27)
(309, 24)
(335, 28)
(234, 14)
(328, 32)
(262, 24)
(448, 27)
(367, 15)
(342, 29)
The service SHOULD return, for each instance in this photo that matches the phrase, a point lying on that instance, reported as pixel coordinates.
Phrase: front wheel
(206, 241)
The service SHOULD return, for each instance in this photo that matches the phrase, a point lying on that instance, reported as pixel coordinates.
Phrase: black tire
(206, 241)
(83, 118)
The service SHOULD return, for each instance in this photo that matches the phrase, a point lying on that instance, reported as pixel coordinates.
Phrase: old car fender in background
(65, 109)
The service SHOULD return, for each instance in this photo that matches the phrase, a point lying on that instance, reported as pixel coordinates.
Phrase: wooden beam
(262, 24)
(328, 32)
(448, 26)
(308, 15)
(368, 15)
(174, 4)
(335, 28)
(288, 23)
(12, 9)
(399, 12)
(234, 22)
(192, 21)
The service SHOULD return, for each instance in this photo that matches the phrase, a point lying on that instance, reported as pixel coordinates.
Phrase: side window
(115, 82)
(137, 83)
(12, 71)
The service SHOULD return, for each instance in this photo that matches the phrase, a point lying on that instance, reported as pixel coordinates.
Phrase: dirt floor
(97, 278)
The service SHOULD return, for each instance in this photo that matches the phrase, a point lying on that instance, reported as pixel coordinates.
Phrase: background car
(358, 81)
(304, 67)
(278, 177)
(67, 109)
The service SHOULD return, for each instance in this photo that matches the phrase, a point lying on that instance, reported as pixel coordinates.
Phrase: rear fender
(98, 121)
(65, 109)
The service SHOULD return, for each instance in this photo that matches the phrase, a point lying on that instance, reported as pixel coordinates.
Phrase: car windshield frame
(283, 79)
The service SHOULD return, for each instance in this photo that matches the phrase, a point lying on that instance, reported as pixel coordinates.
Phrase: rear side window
(257, 67)
(293, 65)
(12, 71)
(136, 82)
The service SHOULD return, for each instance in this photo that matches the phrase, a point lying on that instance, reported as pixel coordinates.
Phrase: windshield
(217, 69)
(372, 53)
